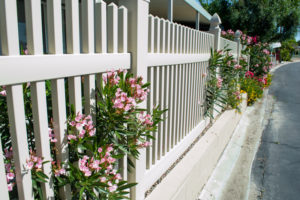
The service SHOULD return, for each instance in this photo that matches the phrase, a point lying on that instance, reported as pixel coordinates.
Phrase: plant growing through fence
(93, 170)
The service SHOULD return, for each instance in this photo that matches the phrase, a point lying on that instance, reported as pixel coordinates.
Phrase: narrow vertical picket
(88, 47)
(177, 96)
(58, 89)
(172, 37)
(189, 81)
(162, 35)
(175, 107)
(160, 103)
(179, 39)
(176, 38)
(167, 43)
(122, 46)
(38, 96)
(73, 47)
(122, 29)
(149, 108)
(112, 28)
(170, 109)
(156, 34)
(100, 33)
(194, 98)
(151, 34)
(15, 105)
(155, 102)
(100, 27)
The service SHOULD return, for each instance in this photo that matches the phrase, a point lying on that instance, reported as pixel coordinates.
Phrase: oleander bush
(96, 144)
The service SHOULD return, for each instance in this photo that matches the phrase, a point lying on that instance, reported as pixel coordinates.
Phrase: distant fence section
(172, 57)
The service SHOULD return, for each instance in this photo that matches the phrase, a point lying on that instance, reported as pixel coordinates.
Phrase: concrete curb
(217, 182)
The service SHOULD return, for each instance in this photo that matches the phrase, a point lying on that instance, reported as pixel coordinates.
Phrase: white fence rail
(225, 43)
(174, 60)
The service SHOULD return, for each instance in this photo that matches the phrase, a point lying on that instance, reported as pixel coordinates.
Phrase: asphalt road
(276, 169)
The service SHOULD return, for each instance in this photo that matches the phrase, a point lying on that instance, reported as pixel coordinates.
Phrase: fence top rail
(181, 25)
(31, 68)
(229, 41)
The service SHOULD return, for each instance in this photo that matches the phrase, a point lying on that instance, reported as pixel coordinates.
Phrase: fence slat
(100, 27)
(122, 28)
(88, 26)
(88, 47)
(38, 96)
(40, 121)
(170, 108)
(149, 107)
(172, 37)
(166, 105)
(176, 35)
(178, 102)
(151, 34)
(58, 85)
(16, 116)
(175, 107)
(112, 28)
(15, 102)
(155, 103)
(160, 103)
(72, 38)
(168, 36)
(162, 35)
(156, 35)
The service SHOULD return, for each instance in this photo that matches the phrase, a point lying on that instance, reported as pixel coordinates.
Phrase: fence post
(138, 12)
(216, 30)
(237, 39)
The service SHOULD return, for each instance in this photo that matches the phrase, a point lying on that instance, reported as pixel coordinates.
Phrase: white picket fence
(171, 56)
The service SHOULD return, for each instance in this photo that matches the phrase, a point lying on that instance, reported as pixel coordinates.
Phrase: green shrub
(285, 55)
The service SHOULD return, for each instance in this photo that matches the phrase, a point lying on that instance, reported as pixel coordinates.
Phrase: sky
(298, 35)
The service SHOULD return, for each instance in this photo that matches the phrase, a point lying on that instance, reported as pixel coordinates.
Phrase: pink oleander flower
(3, 93)
(204, 74)
(34, 162)
(230, 32)
(145, 119)
(103, 179)
(237, 67)
(249, 74)
(112, 188)
(144, 144)
(223, 33)
(8, 153)
(267, 52)
(10, 176)
(10, 187)
(219, 82)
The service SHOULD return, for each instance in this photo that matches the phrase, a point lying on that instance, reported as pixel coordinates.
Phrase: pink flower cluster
(8, 168)
(144, 144)
(266, 51)
(237, 95)
(137, 92)
(122, 102)
(34, 162)
(88, 166)
(238, 67)
(111, 77)
(3, 92)
(58, 169)
(249, 74)
(145, 119)
(219, 82)
(84, 125)
(51, 135)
